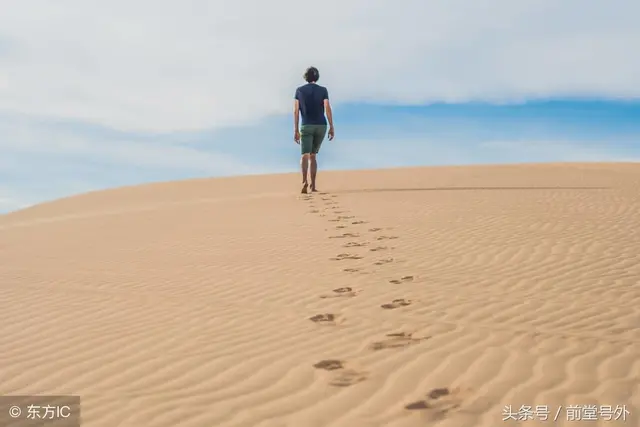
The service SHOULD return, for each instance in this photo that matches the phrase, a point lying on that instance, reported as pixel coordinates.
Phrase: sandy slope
(412, 297)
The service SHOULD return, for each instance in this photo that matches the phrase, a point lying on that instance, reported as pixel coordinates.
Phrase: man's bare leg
(304, 166)
(314, 170)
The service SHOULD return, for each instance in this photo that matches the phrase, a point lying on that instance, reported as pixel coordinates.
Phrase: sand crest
(448, 296)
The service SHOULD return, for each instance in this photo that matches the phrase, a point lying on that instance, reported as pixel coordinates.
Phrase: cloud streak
(164, 65)
(30, 137)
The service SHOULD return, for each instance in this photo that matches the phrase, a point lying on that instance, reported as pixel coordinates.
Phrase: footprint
(438, 402)
(340, 257)
(431, 397)
(348, 377)
(358, 222)
(327, 318)
(379, 248)
(343, 377)
(396, 303)
(383, 261)
(375, 229)
(397, 340)
(351, 270)
(340, 226)
(329, 364)
(403, 279)
(314, 211)
(354, 245)
(386, 238)
(345, 292)
(346, 217)
(437, 393)
(345, 235)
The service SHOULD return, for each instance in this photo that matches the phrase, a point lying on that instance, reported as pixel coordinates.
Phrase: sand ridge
(409, 297)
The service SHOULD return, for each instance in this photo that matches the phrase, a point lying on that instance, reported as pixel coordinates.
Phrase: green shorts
(311, 137)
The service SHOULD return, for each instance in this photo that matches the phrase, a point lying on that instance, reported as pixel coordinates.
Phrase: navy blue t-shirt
(311, 99)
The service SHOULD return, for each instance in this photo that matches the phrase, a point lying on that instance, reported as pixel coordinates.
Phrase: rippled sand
(407, 297)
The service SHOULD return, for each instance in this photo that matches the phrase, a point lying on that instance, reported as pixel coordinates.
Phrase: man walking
(311, 102)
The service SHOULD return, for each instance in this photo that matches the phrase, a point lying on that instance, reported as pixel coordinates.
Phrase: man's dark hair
(311, 75)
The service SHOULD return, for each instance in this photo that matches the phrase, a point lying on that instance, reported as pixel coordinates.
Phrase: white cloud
(33, 138)
(158, 65)
(10, 201)
(41, 160)
(7, 204)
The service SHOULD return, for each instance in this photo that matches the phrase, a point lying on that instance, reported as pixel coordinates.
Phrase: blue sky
(136, 91)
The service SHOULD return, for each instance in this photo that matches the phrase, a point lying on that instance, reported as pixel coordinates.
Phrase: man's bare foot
(314, 190)
(304, 188)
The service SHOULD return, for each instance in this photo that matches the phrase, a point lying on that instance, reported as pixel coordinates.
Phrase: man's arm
(329, 112)
(296, 115)
(327, 108)
(296, 110)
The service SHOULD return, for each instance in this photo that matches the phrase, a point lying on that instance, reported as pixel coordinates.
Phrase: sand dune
(408, 297)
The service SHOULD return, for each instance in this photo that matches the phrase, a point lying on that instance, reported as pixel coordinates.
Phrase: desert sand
(405, 297)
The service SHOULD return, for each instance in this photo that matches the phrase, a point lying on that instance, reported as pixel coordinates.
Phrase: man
(311, 102)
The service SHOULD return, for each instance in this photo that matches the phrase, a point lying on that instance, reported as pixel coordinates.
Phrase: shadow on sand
(390, 190)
